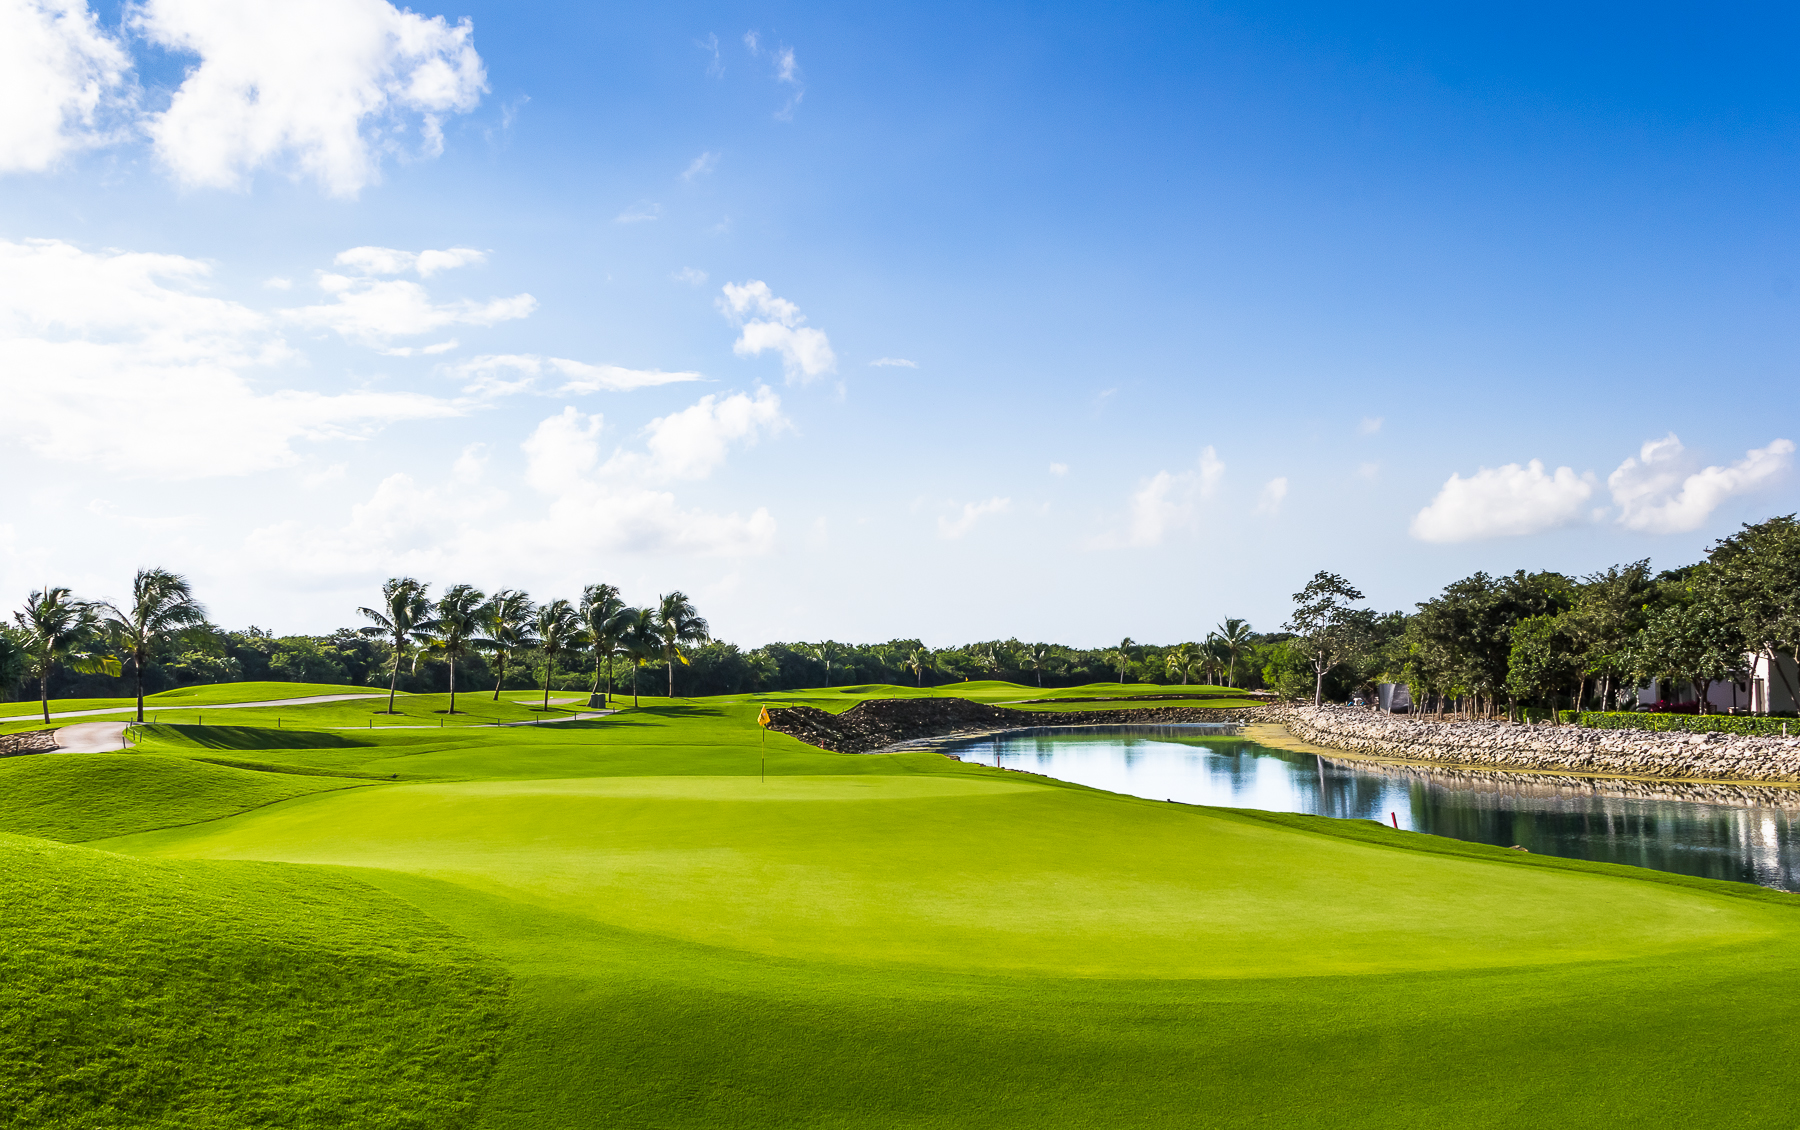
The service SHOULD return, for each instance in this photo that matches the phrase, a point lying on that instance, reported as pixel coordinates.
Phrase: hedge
(1688, 723)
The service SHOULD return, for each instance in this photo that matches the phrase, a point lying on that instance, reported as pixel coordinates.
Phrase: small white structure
(1765, 691)
(1393, 697)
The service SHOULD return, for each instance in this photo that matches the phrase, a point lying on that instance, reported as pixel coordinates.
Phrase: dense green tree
(558, 628)
(607, 619)
(506, 630)
(1325, 627)
(162, 608)
(1694, 642)
(403, 618)
(53, 628)
(1543, 659)
(461, 612)
(1756, 576)
(678, 623)
(826, 652)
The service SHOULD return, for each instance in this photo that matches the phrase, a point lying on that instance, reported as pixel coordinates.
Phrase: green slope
(194, 995)
(909, 941)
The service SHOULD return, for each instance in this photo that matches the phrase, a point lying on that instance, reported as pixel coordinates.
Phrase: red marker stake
(1395, 817)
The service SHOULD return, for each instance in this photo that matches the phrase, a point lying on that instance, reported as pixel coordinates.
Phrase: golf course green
(668, 918)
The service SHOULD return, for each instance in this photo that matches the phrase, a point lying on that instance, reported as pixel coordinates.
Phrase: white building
(1765, 691)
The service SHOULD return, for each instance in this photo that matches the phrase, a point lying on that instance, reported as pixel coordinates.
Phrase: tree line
(1486, 645)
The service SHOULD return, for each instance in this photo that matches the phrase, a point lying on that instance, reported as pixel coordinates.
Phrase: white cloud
(694, 442)
(122, 360)
(1504, 502)
(1370, 471)
(1659, 494)
(1369, 426)
(325, 87)
(278, 283)
(58, 71)
(893, 363)
(638, 214)
(388, 261)
(1212, 470)
(689, 275)
(700, 166)
(1059, 469)
(503, 374)
(1273, 492)
(772, 323)
(971, 513)
(372, 310)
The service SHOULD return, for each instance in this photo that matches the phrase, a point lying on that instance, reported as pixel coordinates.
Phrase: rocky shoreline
(1546, 749)
(878, 724)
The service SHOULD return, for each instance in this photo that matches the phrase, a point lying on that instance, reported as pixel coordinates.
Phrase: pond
(1746, 835)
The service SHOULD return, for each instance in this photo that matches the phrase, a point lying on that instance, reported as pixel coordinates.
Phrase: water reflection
(1746, 834)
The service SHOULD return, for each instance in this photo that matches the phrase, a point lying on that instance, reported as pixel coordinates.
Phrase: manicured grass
(208, 695)
(187, 995)
(905, 940)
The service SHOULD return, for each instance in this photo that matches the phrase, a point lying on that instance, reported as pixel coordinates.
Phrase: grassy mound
(89, 796)
(193, 995)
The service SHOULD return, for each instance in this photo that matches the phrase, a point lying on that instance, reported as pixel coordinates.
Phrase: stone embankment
(880, 723)
(31, 741)
(1545, 749)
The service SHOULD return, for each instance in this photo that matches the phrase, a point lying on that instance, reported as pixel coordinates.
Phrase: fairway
(908, 940)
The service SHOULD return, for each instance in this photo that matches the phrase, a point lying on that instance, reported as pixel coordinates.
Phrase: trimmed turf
(905, 940)
(198, 995)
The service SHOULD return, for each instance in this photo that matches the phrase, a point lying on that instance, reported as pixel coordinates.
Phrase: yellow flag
(763, 718)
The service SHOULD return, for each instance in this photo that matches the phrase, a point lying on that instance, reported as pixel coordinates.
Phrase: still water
(1745, 835)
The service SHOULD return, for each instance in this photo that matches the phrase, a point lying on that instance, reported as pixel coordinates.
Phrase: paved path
(183, 708)
(91, 737)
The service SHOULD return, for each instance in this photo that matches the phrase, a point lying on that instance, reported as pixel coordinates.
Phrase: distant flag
(763, 718)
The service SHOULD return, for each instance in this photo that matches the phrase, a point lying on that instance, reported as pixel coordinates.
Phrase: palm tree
(1121, 656)
(1036, 657)
(1179, 660)
(602, 611)
(828, 652)
(997, 658)
(460, 612)
(162, 607)
(405, 614)
(1234, 637)
(920, 662)
(54, 626)
(506, 622)
(677, 623)
(558, 631)
(641, 643)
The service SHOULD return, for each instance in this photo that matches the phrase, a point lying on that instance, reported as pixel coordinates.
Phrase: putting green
(970, 872)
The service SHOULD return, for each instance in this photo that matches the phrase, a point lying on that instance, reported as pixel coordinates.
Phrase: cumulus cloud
(371, 308)
(692, 276)
(324, 88)
(1503, 502)
(503, 374)
(58, 72)
(122, 360)
(771, 323)
(951, 528)
(694, 442)
(1661, 492)
(1165, 502)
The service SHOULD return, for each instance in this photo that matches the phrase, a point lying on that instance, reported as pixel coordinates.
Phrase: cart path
(184, 708)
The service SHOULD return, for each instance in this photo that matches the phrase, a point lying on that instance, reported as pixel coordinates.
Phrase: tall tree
(162, 609)
(677, 623)
(53, 628)
(603, 612)
(404, 616)
(1234, 636)
(1325, 627)
(1035, 657)
(920, 661)
(1121, 656)
(506, 630)
(642, 644)
(1756, 571)
(460, 615)
(1692, 641)
(558, 626)
(826, 652)
(1543, 659)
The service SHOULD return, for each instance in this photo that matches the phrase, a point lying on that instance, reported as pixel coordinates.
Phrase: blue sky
(958, 321)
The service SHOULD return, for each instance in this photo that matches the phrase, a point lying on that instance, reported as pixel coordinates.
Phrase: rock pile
(32, 741)
(1546, 749)
(879, 723)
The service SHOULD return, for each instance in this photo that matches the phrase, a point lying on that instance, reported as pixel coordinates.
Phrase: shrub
(1687, 723)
